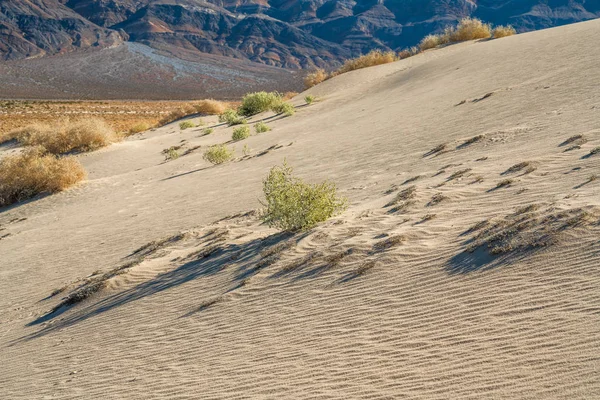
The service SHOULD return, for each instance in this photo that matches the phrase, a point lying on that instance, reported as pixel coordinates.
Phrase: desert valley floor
(394, 298)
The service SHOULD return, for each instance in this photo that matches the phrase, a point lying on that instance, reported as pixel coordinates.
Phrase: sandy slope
(232, 310)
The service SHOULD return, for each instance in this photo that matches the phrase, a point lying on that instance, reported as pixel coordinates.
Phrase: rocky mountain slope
(288, 34)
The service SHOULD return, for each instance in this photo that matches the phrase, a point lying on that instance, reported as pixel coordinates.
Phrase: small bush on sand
(314, 78)
(375, 57)
(241, 133)
(406, 53)
(208, 131)
(210, 107)
(469, 29)
(309, 99)
(218, 154)
(174, 116)
(502, 31)
(261, 127)
(293, 205)
(186, 125)
(231, 117)
(254, 103)
(33, 171)
(171, 153)
(67, 135)
(284, 108)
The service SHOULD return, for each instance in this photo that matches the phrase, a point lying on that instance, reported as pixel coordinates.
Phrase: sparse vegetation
(33, 172)
(241, 133)
(595, 150)
(504, 183)
(428, 217)
(186, 125)
(518, 167)
(210, 107)
(208, 131)
(218, 154)
(261, 127)
(231, 117)
(467, 29)
(374, 57)
(501, 31)
(406, 53)
(406, 194)
(139, 127)
(293, 205)
(437, 150)
(410, 180)
(577, 139)
(246, 150)
(474, 139)
(309, 99)
(459, 174)
(67, 135)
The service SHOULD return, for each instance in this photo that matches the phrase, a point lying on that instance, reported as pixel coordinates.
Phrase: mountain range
(286, 34)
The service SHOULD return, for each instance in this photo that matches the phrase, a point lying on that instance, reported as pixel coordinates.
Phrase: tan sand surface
(230, 309)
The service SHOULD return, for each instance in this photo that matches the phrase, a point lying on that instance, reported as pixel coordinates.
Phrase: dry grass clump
(406, 53)
(175, 115)
(526, 230)
(67, 135)
(404, 195)
(437, 150)
(218, 154)
(501, 31)
(526, 165)
(436, 199)
(293, 205)
(427, 217)
(504, 183)
(595, 150)
(459, 174)
(576, 139)
(388, 243)
(261, 127)
(467, 29)
(33, 171)
(373, 58)
(171, 153)
(210, 107)
(208, 131)
(138, 127)
(309, 99)
(241, 133)
(472, 140)
(186, 125)
(316, 77)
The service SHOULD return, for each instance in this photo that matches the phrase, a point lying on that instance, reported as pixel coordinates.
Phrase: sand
(231, 309)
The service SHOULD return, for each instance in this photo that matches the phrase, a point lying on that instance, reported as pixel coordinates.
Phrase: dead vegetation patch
(388, 243)
(437, 150)
(459, 174)
(577, 140)
(436, 199)
(473, 140)
(526, 229)
(406, 194)
(527, 166)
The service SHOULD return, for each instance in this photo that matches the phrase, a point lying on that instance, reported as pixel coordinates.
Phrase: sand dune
(220, 306)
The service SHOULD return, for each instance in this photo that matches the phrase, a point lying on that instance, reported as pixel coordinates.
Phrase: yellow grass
(314, 78)
(32, 172)
(375, 57)
(430, 42)
(503, 31)
(67, 135)
(470, 29)
(211, 107)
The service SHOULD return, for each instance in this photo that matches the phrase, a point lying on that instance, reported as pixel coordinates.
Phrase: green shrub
(284, 108)
(218, 154)
(171, 153)
(241, 133)
(208, 131)
(186, 124)
(231, 117)
(293, 205)
(254, 103)
(261, 127)
(309, 99)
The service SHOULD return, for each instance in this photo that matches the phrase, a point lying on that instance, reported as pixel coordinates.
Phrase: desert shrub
(309, 99)
(429, 42)
(314, 78)
(293, 205)
(406, 53)
(261, 127)
(469, 29)
(254, 103)
(241, 133)
(375, 57)
(33, 171)
(210, 107)
(186, 124)
(503, 31)
(218, 154)
(289, 95)
(231, 117)
(137, 128)
(171, 153)
(173, 116)
(208, 131)
(284, 108)
(68, 135)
